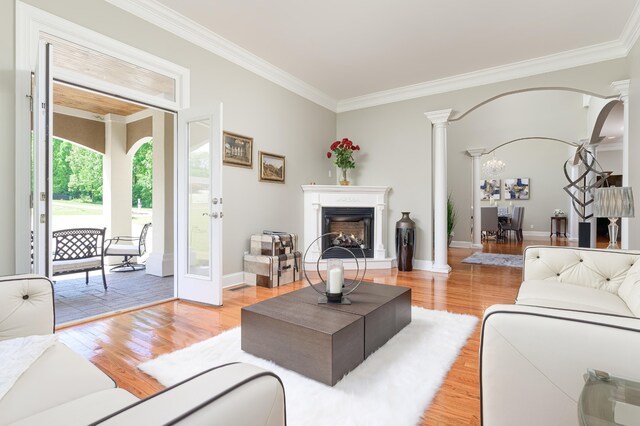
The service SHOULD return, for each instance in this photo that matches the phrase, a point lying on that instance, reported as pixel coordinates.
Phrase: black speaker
(584, 234)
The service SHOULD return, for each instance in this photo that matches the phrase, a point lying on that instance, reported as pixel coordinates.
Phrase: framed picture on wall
(271, 167)
(490, 189)
(237, 150)
(517, 189)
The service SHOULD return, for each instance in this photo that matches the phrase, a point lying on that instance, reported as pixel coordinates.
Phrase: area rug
(393, 386)
(479, 258)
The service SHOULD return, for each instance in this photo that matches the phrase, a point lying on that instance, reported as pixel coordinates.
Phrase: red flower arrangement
(343, 151)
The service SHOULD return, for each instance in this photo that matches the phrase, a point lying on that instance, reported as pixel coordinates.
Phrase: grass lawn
(78, 208)
(75, 208)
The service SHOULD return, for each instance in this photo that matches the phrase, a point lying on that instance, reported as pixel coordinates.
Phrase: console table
(559, 221)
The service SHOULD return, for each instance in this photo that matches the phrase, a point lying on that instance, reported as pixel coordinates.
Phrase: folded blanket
(17, 355)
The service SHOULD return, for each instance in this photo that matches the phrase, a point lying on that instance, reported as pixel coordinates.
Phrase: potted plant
(343, 152)
(451, 218)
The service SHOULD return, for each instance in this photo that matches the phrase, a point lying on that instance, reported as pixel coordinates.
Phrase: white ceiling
(352, 48)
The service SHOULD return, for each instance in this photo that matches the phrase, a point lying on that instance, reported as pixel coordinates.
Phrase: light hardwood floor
(118, 343)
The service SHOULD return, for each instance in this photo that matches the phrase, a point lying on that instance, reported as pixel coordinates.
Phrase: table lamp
(613, 202)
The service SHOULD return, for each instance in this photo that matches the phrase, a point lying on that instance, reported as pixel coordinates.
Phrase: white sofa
(577, 309)
(63, 388)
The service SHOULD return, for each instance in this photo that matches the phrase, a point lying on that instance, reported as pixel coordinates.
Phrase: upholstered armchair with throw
(61, 387)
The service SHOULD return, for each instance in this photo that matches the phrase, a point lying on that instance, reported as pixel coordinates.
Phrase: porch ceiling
(93, 102)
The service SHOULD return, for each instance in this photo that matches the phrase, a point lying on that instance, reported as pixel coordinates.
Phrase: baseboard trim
(427, 265)
(422, 265)
(538, 234)
(234, 279)
(461, 244)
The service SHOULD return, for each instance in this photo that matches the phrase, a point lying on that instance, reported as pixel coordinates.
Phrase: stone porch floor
(74, 300)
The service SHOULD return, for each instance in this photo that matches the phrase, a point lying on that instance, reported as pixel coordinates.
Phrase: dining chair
(515, 225)
(489, 223)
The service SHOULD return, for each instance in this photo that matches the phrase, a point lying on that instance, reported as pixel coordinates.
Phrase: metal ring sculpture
(304, 270)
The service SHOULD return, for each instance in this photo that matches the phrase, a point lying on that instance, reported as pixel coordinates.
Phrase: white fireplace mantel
(318, 196)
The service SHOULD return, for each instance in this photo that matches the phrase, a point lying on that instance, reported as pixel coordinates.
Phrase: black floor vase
(405, 242)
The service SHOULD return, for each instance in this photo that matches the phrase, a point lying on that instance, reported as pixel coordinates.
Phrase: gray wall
(634, 141)
(7, 136)
(611, 161)
(552, 113)
(396, 140)
(279, 121)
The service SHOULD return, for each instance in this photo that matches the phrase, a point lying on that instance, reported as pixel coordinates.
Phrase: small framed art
(237, 150)
(272, 167)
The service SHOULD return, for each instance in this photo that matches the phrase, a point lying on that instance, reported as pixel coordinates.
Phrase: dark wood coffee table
(324, 342)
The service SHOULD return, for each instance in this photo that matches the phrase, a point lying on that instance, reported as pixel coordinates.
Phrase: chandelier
(493, 167)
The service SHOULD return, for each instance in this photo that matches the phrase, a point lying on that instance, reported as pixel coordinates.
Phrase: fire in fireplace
(351, 228)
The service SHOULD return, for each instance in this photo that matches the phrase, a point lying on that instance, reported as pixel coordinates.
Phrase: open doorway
(610, 159)
(112, 170)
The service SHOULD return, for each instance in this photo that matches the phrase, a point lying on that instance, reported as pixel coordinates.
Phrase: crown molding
(169, 20)
(558, 61)
(631, 30)
(183, 27)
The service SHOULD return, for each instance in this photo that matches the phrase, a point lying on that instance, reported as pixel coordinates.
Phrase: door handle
(221, 215)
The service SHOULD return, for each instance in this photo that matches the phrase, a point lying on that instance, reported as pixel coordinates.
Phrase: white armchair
(63, 388)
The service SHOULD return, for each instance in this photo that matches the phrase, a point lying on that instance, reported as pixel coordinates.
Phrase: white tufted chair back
(26, 306)
(595, 268)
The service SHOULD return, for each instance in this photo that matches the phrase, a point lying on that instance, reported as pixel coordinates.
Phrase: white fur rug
(393, 386)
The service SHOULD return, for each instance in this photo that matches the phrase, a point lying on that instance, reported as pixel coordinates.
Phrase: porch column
(116, 180)
(476, 154)
(160, 261)
(439, 122)
(622, 87)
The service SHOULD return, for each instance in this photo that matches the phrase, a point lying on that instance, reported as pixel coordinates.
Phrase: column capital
(476, 152)
(622, 87)
(438, 117)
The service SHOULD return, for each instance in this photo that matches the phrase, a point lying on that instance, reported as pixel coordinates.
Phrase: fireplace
(319, 199)
(351, 228)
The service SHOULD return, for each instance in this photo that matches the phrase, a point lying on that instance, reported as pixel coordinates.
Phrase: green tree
(142, 176)
(85, 180)
(61, 168)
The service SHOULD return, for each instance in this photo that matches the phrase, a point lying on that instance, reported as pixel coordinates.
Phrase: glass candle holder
(335, 276)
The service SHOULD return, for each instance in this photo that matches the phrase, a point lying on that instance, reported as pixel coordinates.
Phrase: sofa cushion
(629, 290)
(553, 294)
(58, 376)
(64, 266)
(600, 269)
(82, 411)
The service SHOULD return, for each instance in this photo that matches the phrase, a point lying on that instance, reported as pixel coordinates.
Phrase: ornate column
(439, 122)
(622, 87)
(476, 154)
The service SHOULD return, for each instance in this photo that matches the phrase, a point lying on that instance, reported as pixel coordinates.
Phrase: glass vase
(344, 180)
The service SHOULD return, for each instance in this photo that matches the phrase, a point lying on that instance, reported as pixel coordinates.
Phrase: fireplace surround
(325, 198)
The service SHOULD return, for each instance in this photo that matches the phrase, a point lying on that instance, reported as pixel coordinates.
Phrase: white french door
(199, 235)
(42, 110)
